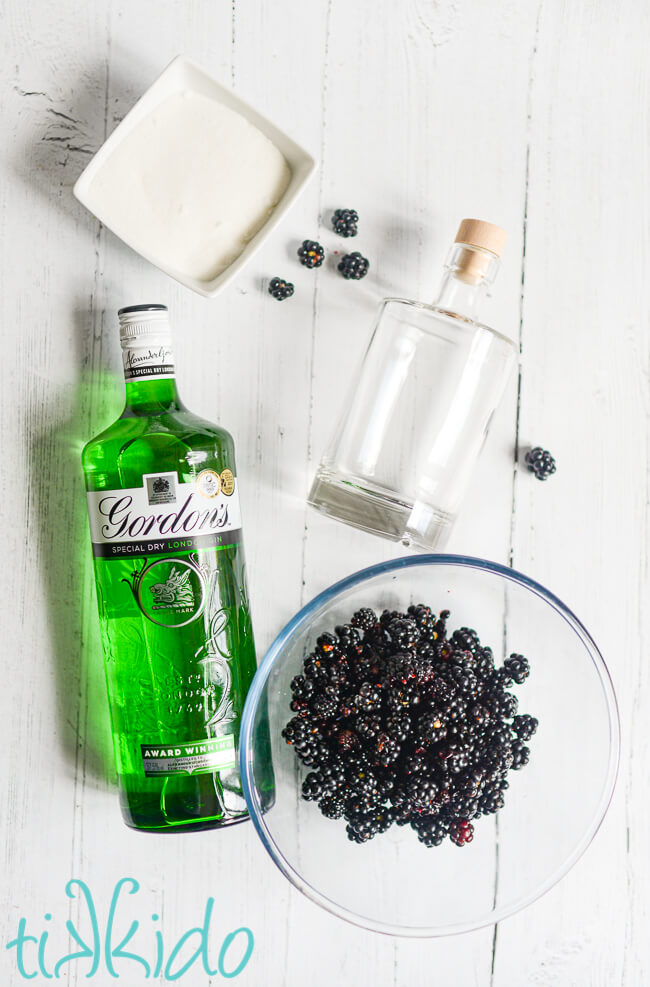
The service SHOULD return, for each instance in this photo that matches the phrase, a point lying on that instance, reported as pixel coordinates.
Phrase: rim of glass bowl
(262, 674)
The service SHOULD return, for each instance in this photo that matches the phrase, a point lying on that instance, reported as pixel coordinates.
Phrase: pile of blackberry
(401, 723)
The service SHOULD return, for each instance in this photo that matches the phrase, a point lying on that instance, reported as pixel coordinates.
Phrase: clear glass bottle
(414, 423)
(178, 645)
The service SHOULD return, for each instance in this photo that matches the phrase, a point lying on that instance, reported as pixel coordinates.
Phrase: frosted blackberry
(344, 222)
(354, 266)
(311, 254)
(280, 289)
(541, 463)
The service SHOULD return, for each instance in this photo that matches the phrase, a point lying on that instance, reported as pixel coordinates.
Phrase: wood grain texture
(532, 115)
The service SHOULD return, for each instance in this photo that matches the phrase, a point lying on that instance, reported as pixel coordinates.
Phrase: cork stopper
(478, 233)
(473, 264)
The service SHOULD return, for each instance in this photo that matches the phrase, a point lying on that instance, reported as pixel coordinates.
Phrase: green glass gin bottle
(169, 566)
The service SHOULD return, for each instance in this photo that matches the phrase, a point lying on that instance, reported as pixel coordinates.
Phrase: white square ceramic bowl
(179, 76)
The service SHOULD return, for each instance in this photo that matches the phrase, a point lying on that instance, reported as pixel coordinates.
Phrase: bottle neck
(465, 283)
(150, 375)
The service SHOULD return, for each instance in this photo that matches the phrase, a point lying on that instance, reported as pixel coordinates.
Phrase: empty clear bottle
(406, 443)
(171, 589)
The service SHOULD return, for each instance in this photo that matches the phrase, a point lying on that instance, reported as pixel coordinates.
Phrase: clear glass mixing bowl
(554, 806)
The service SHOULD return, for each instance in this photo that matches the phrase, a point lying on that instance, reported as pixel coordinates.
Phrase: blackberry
(368, 727)
(480, 715)
(368, 697)
(458, 761)
(432, 727)
(361, 779)
(311, 254)
(312, 787)
(421, 792)
(344, 222)
(431, 830)
(280, 289)
(502, 704)
(404, 633)
(389, 615)
(363, 826)
(525, 726)
(365, 619)
(423, 617)
(353, 266)
(403, 696)
(540, 462)
(347, 635)
(520, 755)
(461, 832)
(332, 806)
(323, 706)
(517, 667)
(398, 726)
(465, 681)
(386, 750)
(326, 643)
(465, 639)
(347, 740)
(490, 802)
(301, 687)
(398, 668)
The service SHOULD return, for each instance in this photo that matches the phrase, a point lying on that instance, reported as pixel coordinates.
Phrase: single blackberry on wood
(540, 462)
(280, 289)
(353, 266)
(344, 222)
(311, 254)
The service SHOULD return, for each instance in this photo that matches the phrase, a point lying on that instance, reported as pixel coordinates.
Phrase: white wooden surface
(533, 114)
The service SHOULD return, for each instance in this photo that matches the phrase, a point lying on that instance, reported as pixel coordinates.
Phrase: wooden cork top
(486, 242)
(478, 233)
